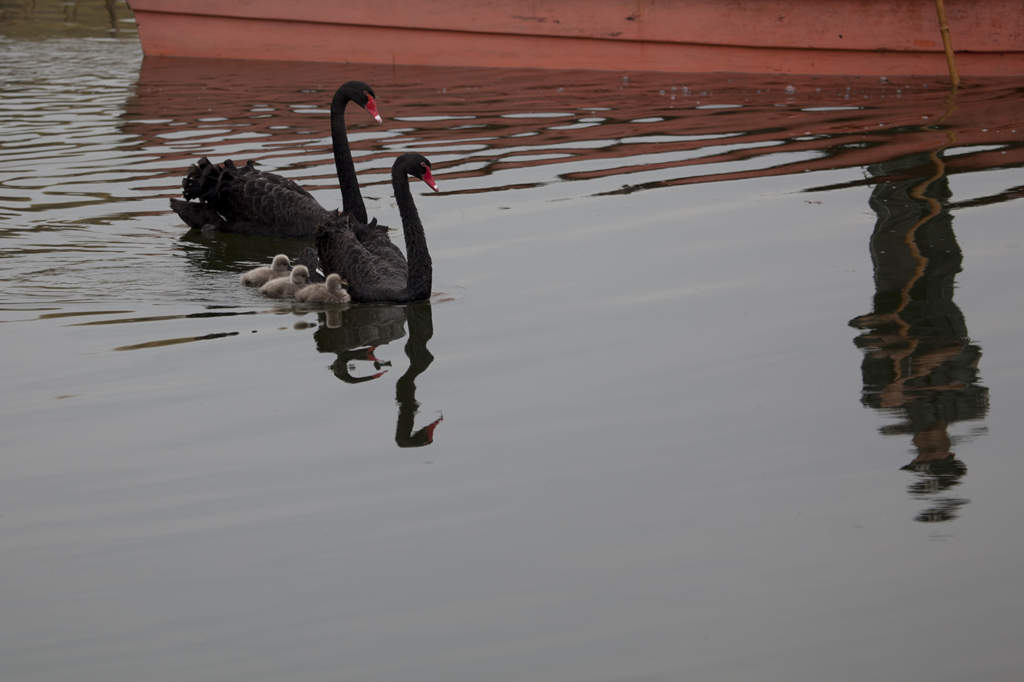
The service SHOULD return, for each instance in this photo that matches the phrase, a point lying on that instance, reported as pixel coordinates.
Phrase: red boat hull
(867, 37)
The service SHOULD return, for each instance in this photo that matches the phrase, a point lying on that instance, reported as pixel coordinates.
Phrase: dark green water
(728, 368)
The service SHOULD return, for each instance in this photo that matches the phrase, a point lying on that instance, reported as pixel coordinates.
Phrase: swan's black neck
(351, 199)
(416, 253)
(421, 329)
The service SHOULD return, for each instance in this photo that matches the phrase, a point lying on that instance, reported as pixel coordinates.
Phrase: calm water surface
(728, 372)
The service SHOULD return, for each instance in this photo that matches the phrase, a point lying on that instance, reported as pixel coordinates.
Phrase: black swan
(249, 201)
(257, 277)
(332, 291)
(382, 275)
(285, 287)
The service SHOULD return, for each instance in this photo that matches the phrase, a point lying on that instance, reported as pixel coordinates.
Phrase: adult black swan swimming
(249, 201)
(381, 275)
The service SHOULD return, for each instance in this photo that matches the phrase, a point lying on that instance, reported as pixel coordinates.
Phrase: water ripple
(91, 150)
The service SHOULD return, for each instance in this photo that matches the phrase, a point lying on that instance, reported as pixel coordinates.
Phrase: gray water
(727, 367)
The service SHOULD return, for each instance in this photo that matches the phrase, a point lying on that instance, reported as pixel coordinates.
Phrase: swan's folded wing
(274, 179)
(375, 238)
(252, 201)
(341, 251)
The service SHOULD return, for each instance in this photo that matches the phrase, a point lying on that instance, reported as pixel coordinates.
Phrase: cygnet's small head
(300, 275)
(280, 263)
(335, 284)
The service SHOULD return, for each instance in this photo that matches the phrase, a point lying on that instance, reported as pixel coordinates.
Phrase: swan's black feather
(247, 200)
(251, 201)
(364, 256)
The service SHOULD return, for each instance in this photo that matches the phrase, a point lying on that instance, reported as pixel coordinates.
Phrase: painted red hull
(865, 37)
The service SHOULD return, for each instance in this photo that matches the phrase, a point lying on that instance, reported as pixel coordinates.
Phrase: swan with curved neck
(379, 277)
(250, 201)
(363, 95)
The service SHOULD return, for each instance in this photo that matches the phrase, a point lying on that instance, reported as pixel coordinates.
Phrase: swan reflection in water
(919, 363)
(353, 334)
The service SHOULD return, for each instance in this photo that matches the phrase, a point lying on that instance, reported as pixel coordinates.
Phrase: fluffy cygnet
(261, 275)
(285, 287)
(332, 291)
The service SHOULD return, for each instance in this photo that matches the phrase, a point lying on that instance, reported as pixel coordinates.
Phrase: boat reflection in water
(919, 362)
(354, 334)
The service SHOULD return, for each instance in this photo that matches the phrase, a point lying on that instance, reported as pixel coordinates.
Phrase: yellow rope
(947, 43)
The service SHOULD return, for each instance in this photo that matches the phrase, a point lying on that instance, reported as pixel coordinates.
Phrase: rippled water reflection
(920, 362)
(635, 393)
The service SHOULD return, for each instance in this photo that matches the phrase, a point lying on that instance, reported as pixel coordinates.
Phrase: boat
(834, 37)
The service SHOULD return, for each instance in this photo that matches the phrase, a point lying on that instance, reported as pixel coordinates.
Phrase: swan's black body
(232, 199)
(246, 200)
(362, 254)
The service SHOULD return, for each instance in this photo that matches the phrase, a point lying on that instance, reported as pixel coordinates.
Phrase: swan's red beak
(371, 109)
(429, 429)
(428, 178)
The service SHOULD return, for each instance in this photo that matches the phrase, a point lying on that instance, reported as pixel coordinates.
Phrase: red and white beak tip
(371, 109)
(429, 179)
